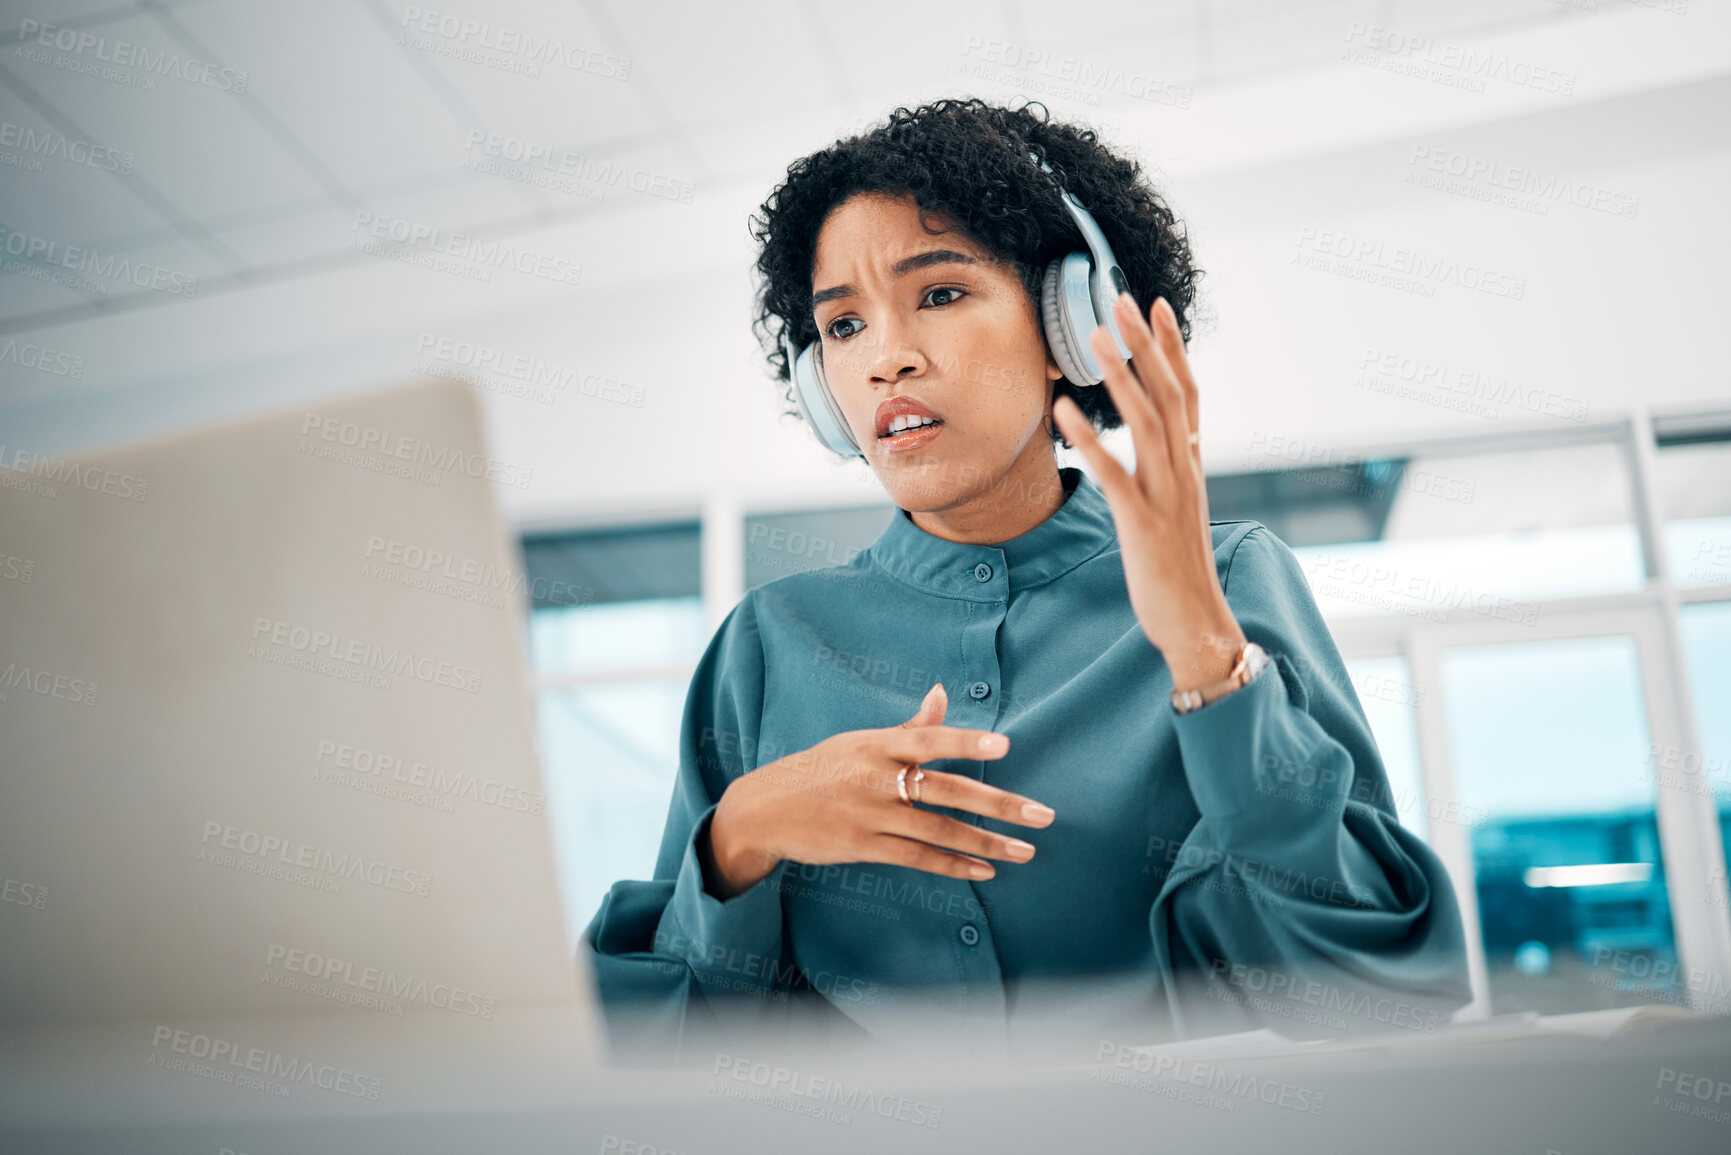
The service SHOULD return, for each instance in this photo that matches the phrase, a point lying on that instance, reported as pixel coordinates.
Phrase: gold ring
(902, 783)
(919, 776)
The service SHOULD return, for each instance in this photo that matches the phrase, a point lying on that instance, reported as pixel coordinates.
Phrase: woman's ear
(1052, 430)
(1053, 376)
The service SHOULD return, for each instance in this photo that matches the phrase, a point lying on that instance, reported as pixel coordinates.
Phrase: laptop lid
(268, 757)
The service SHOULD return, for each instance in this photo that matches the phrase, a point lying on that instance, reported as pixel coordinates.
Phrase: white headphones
(1075, 298)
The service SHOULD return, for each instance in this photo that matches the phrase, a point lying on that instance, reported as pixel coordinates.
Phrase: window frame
(1690, 841)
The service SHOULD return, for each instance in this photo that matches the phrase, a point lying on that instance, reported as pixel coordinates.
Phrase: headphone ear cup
(817, 404)
(1058, 300)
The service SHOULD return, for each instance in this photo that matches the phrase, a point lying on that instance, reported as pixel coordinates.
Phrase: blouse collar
(1079, 529)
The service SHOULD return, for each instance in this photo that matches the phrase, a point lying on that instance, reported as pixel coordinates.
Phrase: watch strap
(1250, 661)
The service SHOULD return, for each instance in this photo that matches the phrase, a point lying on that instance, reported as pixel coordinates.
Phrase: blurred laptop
(272, 834)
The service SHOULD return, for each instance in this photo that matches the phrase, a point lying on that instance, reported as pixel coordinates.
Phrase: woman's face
(916, 321)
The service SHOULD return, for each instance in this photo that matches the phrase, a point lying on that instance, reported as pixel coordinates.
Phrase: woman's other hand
(837, 802)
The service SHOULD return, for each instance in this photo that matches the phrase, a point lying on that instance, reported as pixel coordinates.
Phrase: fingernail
(1022, 850)
(994, 742)
(1034, 812)
(981, 870)
(1126, 301)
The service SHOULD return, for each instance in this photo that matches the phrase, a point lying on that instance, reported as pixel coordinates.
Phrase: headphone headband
(1106, 279)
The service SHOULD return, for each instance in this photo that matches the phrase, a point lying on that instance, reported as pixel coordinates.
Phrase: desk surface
(1607, 1082)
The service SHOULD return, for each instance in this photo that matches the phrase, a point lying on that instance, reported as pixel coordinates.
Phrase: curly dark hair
(968, 161)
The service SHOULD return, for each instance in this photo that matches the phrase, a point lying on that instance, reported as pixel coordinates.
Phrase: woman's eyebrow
(901, 269)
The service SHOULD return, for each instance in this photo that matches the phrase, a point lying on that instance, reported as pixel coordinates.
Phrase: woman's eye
(830, 329)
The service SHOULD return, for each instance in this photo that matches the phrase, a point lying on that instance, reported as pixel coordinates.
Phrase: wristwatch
(1251, 661)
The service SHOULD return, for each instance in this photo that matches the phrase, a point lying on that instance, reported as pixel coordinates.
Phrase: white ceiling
(256, 193)
(339, 117)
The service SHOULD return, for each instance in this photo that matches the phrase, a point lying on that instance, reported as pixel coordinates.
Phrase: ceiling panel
(1245, 39)
(882, 54)
(458, 200)
(1084, 80)
(73, 195)
(195, 144)
(80, 13)
(545, 76)
(262, 244)
(173, 269)
(33, 288)
(716, 67)
(327, 72)
(1055, 44)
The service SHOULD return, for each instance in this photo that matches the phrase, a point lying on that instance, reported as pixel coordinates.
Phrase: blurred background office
(1461, 348)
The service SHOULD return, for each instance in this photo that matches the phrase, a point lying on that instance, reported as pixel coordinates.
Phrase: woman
(1032, 734)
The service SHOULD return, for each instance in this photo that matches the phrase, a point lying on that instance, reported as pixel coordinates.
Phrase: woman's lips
(911, 439)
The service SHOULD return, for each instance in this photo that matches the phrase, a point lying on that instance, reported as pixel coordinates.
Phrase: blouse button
(983, 572)
(970, 934)
(979, 690)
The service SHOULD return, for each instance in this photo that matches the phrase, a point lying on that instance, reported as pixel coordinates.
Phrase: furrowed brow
(901, 269)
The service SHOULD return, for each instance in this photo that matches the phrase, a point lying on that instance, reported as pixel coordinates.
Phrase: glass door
(1586, 874)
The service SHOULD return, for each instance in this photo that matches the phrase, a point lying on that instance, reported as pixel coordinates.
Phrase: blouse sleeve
(667, 949)
(1298, 902)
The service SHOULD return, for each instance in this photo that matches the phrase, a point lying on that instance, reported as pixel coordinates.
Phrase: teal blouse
(1236, 866)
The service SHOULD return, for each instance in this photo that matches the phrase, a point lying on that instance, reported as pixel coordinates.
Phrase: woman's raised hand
(838, 802)
(1160, 511)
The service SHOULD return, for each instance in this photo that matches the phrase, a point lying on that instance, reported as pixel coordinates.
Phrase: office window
(1453, 555)
(778, 544)
(1692, 467)
(1386, 691)
(1706, 642)
(1549, 741)
(1694, 480)
(1483, 534)
(616, 628)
